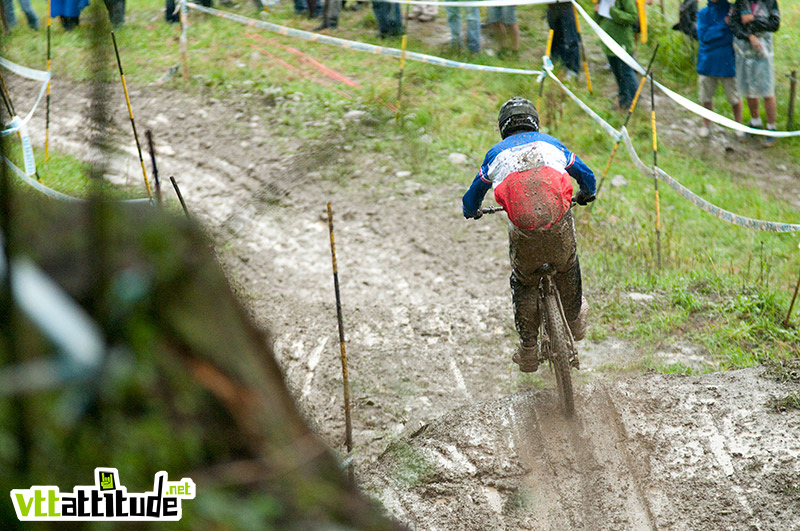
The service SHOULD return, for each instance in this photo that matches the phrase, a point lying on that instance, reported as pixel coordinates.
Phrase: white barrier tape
(613, 133)
(699, 202)
(27, 151)
(24, 71)
(29, 73)
(58, 195)
(354, 45)
(689, 105)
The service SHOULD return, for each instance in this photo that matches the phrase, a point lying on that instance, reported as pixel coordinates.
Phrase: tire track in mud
(586, 462)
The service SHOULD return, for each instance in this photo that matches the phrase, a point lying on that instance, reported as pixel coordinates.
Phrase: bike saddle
(545, 270)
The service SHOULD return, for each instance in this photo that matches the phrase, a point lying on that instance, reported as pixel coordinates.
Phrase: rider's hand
(474, 214)
(583, 199)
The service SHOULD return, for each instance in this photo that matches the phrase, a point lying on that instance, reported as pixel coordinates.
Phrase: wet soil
(429, 332)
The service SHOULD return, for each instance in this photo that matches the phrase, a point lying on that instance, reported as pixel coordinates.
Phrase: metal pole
(149, 135)
(792, 91)
(345, 380)
(627, 119)
(541, 84)
(583, 50)
(180, 196)
(130, 113)
(655, 169)
(47, 105)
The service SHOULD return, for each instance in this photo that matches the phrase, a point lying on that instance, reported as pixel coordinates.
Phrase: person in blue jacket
(716, 63)
(531, 173)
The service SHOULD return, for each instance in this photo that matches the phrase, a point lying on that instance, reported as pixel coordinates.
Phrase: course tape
(699, 202)
(30, 73)
(689, 105)
(613, 133)
(55, 194)
(358, 46)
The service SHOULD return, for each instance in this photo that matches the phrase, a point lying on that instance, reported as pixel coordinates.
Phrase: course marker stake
(345, 380)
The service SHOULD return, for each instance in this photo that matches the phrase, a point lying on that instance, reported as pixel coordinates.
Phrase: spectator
(715, 60)
(390, 22)
(330, 14)
(753, 22)
(566, 41)
(311, 8)
(69, 11)
(504, 20)
(473, 19)
(116, 12)
(618, 18)
(423, 13)
(30, 14)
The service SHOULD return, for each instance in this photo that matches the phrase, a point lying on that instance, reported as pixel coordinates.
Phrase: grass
(722, 287)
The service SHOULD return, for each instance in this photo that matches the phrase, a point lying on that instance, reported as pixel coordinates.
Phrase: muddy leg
(526, 311)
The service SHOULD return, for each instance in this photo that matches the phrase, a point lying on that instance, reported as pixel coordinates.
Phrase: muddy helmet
(516, 115)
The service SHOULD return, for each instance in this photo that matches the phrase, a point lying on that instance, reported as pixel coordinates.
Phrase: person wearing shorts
(504, 21)
(753, 22)
(715, 60)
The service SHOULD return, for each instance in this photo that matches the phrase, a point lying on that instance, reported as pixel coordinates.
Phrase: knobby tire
(559, 353)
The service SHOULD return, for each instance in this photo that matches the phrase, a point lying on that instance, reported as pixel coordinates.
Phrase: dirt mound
(652, 452)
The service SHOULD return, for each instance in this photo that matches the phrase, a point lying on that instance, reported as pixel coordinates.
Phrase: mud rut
(429, 333)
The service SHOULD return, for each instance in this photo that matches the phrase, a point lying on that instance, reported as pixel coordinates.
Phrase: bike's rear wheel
(560, 352)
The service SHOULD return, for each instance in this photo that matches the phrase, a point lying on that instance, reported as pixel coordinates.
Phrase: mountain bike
(556, 343)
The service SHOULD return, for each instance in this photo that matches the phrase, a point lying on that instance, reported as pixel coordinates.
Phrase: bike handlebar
(493, 209)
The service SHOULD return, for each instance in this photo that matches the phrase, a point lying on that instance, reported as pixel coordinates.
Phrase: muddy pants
(529, 250)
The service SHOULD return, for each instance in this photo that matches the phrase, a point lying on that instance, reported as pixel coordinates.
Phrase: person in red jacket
(531, 173)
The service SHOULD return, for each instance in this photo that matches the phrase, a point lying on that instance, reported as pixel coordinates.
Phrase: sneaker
(704, 131)
(578, 326)
(571, 74)
(426, 18)
(527, 358)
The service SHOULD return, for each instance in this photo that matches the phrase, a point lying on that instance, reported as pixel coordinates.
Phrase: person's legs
(755, 114)
(300, 7)
(629, 83)
(771, 108)
(396, 20)
(454, 22)
(473, 17)
(30, 14)
(571, 41)
(381, 11)
(614, 63)
(8, 12)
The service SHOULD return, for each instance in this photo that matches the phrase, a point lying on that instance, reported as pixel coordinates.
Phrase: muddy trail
(448, 434)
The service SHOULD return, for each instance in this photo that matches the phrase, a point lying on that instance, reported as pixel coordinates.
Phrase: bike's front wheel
(560, 353)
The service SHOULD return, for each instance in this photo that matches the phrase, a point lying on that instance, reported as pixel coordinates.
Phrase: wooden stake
(655, 169)
(180, 196)
(130, 113)
(345, 380)
(583, 50)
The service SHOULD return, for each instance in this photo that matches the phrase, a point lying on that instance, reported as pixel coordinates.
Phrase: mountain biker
(530, 173)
